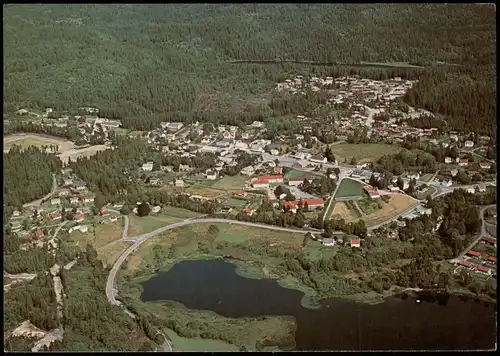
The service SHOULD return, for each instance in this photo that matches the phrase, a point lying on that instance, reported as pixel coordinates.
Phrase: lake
(450, 323)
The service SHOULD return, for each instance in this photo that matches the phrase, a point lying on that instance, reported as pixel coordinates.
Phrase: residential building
(184, 167)
(483, 269)
(471, 190)
(68, 182)
(74, 200)
(356, 243)
(313, 203)
(240, 193)
(79, 218)
(485, 165)
(63, 192)
(248, 211)
(481, 187)
(291, 205)
(248, 171)
(469, 144)
(328, 242)
(179, 183)
(257, 124)
(55, 201)
(463, 163)
(318, 159)
(211, 175)
(448, 160)
(155, 209)
(148, 167)
(473, 253)
(446, 183)
(84, 228)
(372, 191)
(55, 216)
(174, 126)
(89, 199)
(104, 212)
(260, 183)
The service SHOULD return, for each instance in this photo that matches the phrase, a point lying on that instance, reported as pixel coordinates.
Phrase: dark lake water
(451, 323)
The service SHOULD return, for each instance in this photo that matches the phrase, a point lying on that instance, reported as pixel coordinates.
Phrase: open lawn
(168, 215)
(101, 236)
(110, 253)
(236, 203)
(206, 192)
(315, 251)
(183, 344)
(370, 206)
(349, 187)
(236, 182)
(341, 211)
(26, 140)
(396, 205)
(364, 152)
(293, 173)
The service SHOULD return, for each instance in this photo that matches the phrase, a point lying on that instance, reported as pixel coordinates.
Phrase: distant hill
(162, 58)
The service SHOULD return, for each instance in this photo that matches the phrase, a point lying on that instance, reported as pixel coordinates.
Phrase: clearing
(183, 344)
(395, 206)
(110, 253)
(230, 183)
(99, 236)
(341, 211)
(293, 173)
(169, 215)
(74, 153)
(349, 187)
(26, 140)
(364, 152)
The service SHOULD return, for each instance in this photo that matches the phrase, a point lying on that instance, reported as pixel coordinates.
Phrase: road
(342, 175)
(482, 234)
(37, 202)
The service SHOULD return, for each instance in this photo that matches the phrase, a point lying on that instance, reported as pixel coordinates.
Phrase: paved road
(26, 276)
(37, 202)
(342, 175)
(482, 234)
(126, 223)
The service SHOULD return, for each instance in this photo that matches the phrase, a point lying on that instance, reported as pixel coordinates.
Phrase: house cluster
(484, 260)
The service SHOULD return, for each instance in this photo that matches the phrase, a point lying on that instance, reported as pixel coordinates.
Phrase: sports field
(349, 187)
(364, 152)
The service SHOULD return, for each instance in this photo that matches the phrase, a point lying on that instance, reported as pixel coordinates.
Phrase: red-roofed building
(483, 269)
(278, 178)
(465, 263)
(473, 253)
(485, 165)
(39, 234)
(55, 216)
(492, 260)
(372, 191)
(356, 243)
(89, 199)
(313, 203)
(259, 183)
(249, 212)
(489, 240)
(241, 193)
(463, 162)
(103, 212)
(291, 205)
(79, 218)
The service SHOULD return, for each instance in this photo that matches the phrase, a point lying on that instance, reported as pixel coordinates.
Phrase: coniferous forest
(150, 62)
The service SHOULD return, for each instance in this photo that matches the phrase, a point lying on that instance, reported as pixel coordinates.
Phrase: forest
(28, 174)
(150, 62)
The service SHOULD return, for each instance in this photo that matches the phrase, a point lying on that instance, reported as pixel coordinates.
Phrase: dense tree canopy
(144, 63)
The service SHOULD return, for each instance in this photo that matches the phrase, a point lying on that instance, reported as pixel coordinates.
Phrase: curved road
(110, 289)
(37, 202)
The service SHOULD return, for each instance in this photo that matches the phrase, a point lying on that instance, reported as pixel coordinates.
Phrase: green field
(230, 183)
(364, 152)
(236, 203)
(295, 173)
(349, 187)
(168, 215)
(183, 344)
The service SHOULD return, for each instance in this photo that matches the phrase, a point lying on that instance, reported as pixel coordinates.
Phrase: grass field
(349, 187)
(370, 206)
(103, 235)
(168, 215)
(236, 203)
(341, 211)
(364, 152)
(183, 344)
(110, 253)
(396, 205)
(26, 140)
(230, 183)
(295, 173)
(316, 251)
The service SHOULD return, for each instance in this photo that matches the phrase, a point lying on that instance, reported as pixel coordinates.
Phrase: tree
(213, 230)
(99, 201)
(143, 209)
(329, 154)
(125, 210)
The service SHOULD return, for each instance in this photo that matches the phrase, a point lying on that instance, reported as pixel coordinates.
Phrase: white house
(73, 200)
(155, 209)
(469, 144)
(239, 145)
(318, 159)
(211, 175)
(179, 183)
(446, 183)
(328, 242)
(481, 187)
(147, 166)
(454, 172)
(248, 171)
(55, 201)
(471, 190)
(274, 152)
(257, 124)
(448, 160)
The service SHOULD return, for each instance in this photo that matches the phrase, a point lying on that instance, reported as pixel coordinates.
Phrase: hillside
(164, 59)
